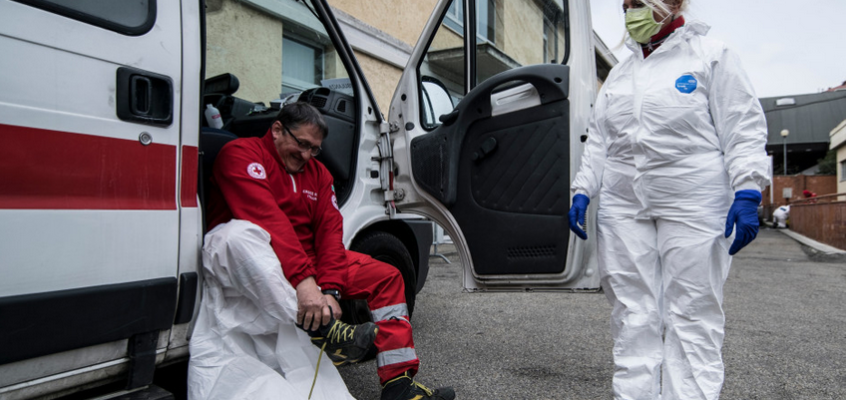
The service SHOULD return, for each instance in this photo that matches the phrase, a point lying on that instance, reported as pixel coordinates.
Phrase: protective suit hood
(691, 28)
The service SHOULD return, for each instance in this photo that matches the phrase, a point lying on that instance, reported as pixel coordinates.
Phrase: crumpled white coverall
(245, 344)
(780, 216)
(673, 136)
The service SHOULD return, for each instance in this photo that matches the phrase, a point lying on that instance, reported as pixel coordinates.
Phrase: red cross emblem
(256, 170)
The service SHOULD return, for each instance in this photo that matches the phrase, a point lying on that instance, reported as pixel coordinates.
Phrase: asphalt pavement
(785, 335)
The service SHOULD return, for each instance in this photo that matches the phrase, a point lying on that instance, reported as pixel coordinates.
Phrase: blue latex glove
(577, 213)
(743, 214)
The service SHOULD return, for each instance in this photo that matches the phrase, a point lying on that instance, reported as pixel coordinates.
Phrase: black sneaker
(345, 343)
(405, 388)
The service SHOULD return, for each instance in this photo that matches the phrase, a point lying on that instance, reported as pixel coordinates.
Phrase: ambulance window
(525, 32)
(509, 34)
(442, 69)
(129, 17)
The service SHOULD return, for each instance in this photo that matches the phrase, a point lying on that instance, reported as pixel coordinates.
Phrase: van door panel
(505, 178)
(495, 170)
(89, 202)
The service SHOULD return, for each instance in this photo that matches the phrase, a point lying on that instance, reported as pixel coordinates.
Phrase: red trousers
(382, 286)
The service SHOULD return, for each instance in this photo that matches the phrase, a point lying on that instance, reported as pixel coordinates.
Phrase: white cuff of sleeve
(747, 186)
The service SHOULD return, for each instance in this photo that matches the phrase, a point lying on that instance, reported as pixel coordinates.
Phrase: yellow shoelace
(313, 381)
(429, 392)
(337, 334)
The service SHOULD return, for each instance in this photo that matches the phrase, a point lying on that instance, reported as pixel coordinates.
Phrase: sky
(788, 47)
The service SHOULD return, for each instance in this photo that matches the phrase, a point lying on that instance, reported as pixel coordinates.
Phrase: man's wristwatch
(334, 293)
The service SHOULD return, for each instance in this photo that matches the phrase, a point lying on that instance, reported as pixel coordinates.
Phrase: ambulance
(106, 148)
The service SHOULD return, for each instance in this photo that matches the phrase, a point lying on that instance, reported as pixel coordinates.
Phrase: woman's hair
(665, 5)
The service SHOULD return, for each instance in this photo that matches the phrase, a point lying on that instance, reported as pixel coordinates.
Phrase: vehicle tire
(389, 249)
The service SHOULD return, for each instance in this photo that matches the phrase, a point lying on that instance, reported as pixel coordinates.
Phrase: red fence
(821, 218)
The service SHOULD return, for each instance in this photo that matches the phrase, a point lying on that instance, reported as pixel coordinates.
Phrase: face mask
(641, 24)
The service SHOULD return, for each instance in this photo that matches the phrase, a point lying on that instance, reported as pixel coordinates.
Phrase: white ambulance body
(101, 163)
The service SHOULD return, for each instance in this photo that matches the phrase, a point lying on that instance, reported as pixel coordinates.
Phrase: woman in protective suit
(676, 154)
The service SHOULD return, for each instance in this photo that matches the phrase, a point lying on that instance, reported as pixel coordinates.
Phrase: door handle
(144, 97)
(448, 119)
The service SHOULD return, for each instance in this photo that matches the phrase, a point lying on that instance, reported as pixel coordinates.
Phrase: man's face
(295, 145)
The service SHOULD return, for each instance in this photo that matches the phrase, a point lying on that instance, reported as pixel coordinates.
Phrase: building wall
(403, 19)
(247, 43)
(523, 23)
(819, 184)
(841, 165)
(382, 78)
(838, 141)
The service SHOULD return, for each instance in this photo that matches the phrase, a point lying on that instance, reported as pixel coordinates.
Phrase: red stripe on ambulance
(188, 190)
(44, 169)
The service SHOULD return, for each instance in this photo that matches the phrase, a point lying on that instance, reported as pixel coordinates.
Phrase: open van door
(488, 123)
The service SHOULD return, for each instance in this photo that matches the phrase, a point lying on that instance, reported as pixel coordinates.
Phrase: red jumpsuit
(300, 213)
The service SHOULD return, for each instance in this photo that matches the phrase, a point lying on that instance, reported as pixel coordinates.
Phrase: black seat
(211, 141)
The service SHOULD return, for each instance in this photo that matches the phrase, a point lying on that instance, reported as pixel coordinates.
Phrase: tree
(828, 164)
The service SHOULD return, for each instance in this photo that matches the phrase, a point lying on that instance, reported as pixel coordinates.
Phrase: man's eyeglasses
(314, 150)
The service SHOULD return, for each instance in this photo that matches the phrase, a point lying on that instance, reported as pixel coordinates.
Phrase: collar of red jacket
(267, 140)
(662, 35)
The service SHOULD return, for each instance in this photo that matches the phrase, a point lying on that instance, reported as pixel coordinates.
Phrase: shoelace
(313, 381)
(337, 334)
(429, 392)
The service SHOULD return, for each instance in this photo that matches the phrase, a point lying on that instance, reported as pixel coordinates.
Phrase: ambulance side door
(490, 114)
(89, 198)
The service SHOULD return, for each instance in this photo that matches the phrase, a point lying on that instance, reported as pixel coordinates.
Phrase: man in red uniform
(275, 183)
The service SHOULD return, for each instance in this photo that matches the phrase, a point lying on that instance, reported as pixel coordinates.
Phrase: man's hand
(312, 305)
(336, 308)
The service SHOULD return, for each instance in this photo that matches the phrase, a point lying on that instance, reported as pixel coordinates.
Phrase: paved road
(786, 334)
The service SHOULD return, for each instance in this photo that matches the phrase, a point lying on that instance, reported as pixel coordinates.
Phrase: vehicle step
(152, 392)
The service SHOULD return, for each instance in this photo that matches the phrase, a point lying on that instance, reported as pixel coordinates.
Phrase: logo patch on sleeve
(256, 170)
(335, 202)
(686, 83)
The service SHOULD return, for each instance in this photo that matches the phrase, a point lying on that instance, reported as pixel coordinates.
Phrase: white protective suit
(245, 344)
(673, 136)
(780, 216)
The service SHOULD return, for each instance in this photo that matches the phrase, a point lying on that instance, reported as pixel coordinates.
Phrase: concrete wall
(248, 43)
(382, 78)
(403, 19)
(522, 24)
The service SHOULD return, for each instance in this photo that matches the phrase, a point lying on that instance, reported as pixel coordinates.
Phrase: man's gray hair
(301, 113)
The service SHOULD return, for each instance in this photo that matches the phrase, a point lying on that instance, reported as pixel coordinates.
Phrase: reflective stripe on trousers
(385, 313)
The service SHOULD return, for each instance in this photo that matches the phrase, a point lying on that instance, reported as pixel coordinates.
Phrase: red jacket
(299, 211)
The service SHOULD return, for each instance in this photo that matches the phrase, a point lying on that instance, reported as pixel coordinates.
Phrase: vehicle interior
(242, 118)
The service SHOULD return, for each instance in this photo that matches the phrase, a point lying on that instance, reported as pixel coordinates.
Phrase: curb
(821, 247)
